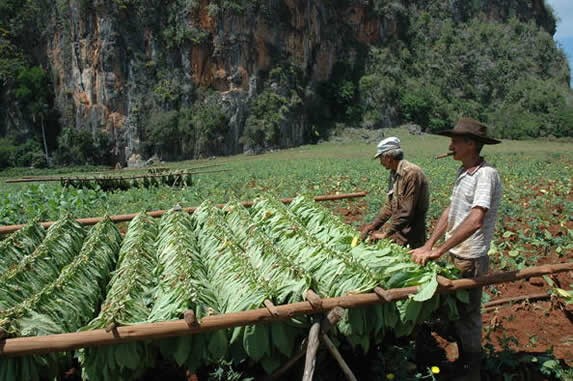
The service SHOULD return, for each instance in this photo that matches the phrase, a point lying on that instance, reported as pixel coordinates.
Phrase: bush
(533, 108)
(209, 123)
(27, 154)
(262, 127)
(7, 153)
(162, 135)
(191, 133)
(81, 147)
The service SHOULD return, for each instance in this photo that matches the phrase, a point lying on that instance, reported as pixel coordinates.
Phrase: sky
(563, 10)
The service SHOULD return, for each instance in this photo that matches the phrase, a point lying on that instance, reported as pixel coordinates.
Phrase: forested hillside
(95, 81)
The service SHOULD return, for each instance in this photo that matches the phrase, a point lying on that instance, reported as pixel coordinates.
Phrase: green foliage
(163, 136)
(209, 123)
(7, 153)
(32, 93)
(420, 104)
(81, 147)
(277, 105)
(217, 7)
(30, 154)
(433, 77)
(533, 108)
(11, 59)
(178, 30)
(194, 132)
(45, 203)
(262, 128)
(27, 154)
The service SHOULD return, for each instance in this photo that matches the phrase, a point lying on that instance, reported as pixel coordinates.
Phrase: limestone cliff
(112, 61)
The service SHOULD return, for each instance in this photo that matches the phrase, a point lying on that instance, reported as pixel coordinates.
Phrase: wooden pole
(158, 213)
(530, 297)
(332, 318)
(311, 349)
(338, 357)
(143, 331)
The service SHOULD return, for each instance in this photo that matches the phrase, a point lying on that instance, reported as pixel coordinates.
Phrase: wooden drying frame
(146, 331)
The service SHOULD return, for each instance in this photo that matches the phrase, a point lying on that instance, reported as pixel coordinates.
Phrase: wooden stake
(338, 357)
(112, 327)
(333, 316)
(383, 294)
(532, 297)
(271, 307)
(190, 319)
(311, 349)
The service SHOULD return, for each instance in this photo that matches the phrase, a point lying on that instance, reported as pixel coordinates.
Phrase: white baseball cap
(386, 145)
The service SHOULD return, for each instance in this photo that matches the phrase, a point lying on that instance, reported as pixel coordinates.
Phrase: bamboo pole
(143, 331)
(158, 213)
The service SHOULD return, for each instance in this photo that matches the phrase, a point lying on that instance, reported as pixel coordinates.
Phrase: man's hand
(424, 254)
(365, 231)
(378, 235)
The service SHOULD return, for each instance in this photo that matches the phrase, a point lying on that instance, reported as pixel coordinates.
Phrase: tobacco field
(221, 260)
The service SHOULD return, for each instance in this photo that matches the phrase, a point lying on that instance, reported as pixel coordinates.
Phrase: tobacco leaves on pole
(129, 300)
(64, 305)
(216, 261)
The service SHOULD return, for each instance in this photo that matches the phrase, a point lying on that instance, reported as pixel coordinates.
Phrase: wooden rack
(145, 331)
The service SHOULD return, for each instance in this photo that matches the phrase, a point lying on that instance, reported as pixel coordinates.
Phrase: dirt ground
(523, 326)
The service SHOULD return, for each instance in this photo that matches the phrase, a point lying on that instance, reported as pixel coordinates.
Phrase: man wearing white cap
(404, 212)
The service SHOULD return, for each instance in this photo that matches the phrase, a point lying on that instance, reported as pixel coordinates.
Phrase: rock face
(112, 61)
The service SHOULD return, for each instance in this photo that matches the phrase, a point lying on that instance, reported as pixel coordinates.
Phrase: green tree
(262, 128)
(466, 64)
(209, 123)
(81, 147)
(162, 135)
(32, 92)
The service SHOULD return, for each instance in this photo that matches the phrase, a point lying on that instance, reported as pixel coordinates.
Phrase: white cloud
(563, 10)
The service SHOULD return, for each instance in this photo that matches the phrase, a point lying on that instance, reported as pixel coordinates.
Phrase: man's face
(461, 147)
(384, 161)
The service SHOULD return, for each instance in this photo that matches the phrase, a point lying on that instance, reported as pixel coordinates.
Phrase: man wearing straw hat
(468, 224)
(404, 212)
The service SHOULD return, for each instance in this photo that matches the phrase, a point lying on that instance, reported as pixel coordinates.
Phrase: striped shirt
(479, 187)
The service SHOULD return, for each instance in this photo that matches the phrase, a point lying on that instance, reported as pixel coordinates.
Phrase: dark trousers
(468, 328)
